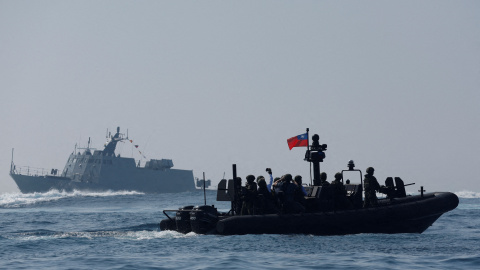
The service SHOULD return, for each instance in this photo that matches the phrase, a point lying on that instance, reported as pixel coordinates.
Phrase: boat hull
(412, 214)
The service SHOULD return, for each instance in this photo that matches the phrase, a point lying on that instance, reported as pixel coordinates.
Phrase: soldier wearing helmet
(289, 195)
(338, 180)
(371, 186)
(265, 203)
(249, 195)
(323, 179)
(340, 194)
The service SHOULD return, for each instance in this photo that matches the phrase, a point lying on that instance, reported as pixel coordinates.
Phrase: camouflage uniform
(370, 185)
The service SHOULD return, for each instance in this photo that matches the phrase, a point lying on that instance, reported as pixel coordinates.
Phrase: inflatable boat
(322, 214)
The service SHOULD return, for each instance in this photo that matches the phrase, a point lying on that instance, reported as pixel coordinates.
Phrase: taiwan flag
(298, 141)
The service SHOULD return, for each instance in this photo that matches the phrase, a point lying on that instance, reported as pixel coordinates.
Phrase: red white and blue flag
(298, 141)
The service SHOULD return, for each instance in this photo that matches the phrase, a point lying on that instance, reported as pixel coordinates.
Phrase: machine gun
(394, 191)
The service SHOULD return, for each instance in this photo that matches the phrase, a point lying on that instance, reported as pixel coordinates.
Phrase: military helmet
(370, 170)
(338, 176)
(250, 178)
(323, 176)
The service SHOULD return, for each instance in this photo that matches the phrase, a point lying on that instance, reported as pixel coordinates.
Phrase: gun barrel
(409, 184)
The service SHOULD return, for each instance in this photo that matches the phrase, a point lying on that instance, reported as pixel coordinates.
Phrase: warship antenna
(11, 163)
(85, 148)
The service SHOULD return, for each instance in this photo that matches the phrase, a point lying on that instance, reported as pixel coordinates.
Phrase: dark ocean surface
(119, 230)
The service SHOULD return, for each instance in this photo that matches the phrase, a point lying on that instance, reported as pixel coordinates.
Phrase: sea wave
(126, 235)
(465, 194)
(14, 200)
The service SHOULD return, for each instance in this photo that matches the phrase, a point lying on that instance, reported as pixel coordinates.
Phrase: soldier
(277, 184)
(274, 190)
(260, 177)
(291, 200)
(265, 199)
(338, 179)
(323, 179)
(249, 195)
(298, 180)
(370, 185)
(238, 203)
(263, 190)
(269, 185)
(339, 192)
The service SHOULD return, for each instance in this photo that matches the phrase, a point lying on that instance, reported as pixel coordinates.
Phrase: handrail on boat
(32, 171)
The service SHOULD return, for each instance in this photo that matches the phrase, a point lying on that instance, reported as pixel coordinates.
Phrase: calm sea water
(119, 230)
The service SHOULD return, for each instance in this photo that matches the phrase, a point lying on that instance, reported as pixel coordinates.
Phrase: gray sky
(389, 84)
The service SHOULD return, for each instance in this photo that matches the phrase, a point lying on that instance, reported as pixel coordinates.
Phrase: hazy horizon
(393, 85)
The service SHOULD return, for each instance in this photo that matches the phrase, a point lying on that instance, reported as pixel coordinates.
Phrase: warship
(322, 213)
(102, 170)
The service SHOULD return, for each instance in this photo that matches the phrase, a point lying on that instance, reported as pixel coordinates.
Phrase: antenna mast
(11, 164)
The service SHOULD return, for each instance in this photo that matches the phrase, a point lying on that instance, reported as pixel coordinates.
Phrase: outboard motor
(182, 219)
(203, 219)
(167, 225)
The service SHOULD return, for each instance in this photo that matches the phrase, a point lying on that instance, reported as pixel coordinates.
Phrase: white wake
(10, 200)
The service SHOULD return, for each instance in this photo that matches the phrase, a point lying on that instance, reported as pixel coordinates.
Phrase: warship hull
(147, 182)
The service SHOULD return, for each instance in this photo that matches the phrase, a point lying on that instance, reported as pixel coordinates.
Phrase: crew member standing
(371, 186)
(249, 196)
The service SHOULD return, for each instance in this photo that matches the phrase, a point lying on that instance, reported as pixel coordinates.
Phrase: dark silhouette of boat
(397, 213)
(102, 170)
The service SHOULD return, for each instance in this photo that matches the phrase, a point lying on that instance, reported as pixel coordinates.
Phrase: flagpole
(308, 142)
(308, 150)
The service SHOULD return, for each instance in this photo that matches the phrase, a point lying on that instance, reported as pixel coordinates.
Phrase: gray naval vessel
(102, 170)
